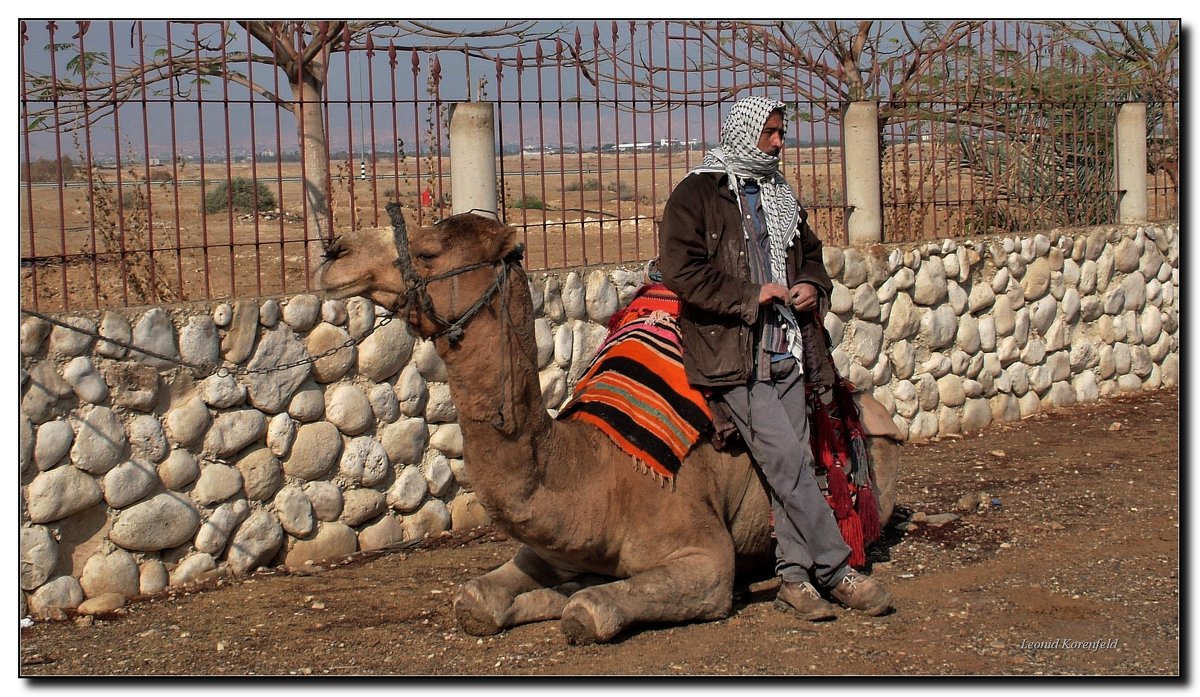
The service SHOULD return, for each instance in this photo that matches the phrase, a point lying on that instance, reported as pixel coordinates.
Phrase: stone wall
(137, 473)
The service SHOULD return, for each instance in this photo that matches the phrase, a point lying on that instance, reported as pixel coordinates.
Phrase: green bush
(240, 195)
(530, 202)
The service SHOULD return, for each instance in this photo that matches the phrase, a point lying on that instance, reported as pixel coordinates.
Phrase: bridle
(416, 291)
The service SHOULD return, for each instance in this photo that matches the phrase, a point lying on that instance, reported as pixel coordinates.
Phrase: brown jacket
(702, 257)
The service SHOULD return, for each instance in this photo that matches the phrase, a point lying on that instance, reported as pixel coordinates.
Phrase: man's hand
(772, 292)
(803, 296)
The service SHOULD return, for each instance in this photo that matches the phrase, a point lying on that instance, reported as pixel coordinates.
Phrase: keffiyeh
(739, 157)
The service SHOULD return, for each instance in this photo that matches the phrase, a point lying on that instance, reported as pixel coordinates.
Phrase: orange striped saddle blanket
(636, 391)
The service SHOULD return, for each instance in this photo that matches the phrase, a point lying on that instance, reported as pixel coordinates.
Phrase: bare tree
(199, 52)
(817, 61)
(1147, 52)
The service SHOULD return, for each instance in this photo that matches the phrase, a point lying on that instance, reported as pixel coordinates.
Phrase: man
(736, 247)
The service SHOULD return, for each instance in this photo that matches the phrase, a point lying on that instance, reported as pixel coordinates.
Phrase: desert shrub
(623, 191)
(43, 170)
(589, 185)
(240, 195)
(530, 202)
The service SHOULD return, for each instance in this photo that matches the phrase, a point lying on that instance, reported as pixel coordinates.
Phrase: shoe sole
(874, 610)
(814, 616)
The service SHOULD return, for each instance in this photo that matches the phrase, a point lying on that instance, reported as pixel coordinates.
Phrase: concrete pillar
(1130, 171)
(472, 157)
(860, 167)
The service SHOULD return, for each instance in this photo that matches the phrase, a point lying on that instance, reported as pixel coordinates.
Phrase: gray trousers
(772, 419)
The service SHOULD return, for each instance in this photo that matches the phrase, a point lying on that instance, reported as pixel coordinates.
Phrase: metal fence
(130, 195)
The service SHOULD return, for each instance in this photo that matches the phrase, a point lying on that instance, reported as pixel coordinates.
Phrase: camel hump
(875, 418)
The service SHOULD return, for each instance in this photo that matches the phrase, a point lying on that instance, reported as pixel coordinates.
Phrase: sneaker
(804, 601)
(858, 592)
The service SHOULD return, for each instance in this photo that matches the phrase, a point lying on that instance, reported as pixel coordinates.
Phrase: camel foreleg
(696, 586)
(519, 591)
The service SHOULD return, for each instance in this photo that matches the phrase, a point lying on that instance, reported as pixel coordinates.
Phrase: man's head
(752, 136)
(770, 140)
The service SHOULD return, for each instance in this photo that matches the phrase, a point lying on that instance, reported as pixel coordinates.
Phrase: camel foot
(588, 620)
(473, 614)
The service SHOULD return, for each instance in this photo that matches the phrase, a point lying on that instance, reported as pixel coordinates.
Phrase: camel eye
(425, 257)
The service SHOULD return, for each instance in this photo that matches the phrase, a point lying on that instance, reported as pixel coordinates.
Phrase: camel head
(452, 264)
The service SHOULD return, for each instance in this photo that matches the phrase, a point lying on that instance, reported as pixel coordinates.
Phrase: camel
(603, 546)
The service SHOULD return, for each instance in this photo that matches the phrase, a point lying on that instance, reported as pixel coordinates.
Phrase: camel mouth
(346, 289)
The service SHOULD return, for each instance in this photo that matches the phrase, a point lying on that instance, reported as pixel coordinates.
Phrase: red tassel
(839, 492)
(852, 534)
(868, 514)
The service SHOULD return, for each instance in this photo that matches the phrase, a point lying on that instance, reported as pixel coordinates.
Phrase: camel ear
(502, 239)
(507, 235)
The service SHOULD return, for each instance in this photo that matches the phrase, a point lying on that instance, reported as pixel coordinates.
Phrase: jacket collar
(721, 179)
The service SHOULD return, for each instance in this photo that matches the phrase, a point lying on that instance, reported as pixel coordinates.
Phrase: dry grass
(132, 242)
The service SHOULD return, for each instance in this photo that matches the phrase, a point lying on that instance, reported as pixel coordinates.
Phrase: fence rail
(140, 190)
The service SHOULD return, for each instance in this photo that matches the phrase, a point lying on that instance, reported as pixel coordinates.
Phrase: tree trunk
(314, 151)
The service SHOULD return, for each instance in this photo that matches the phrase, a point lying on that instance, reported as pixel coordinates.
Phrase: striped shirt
(772, 343)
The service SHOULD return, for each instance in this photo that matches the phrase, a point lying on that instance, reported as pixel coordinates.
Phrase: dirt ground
(1072, 567)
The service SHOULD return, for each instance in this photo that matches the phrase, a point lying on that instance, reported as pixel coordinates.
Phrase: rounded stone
(438, 473)
(75, 341)
(85, 380)
(314, 452)
(281, 432)
(466, 513)
(447, 439)
(233, 430)
(54, 439)
(33, 332)
(178, 470)
(326, 499)
(408, 491)
(155, 332)
(146, 438)
(268, 313)
(60, 492)
(99, 441)
(323, 339)
(383, 401)
(222, 391)
(152, 577)
(187, 421)
(411, 391)
(128, 482)
(404, 441)
(199, 342)
(61, 593)
(192, 568)
(382, 354)
(361, 505)
(348, 408)
(301, 312)
(332, 541)
(217, 483)
(215, 532)
(262, 475)
(430, 520)
(111, 573)
(385, 532)
(364, 462)
(308, 404)
(164, 521)
(255, 543)
(39, 555)
(294, 511)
